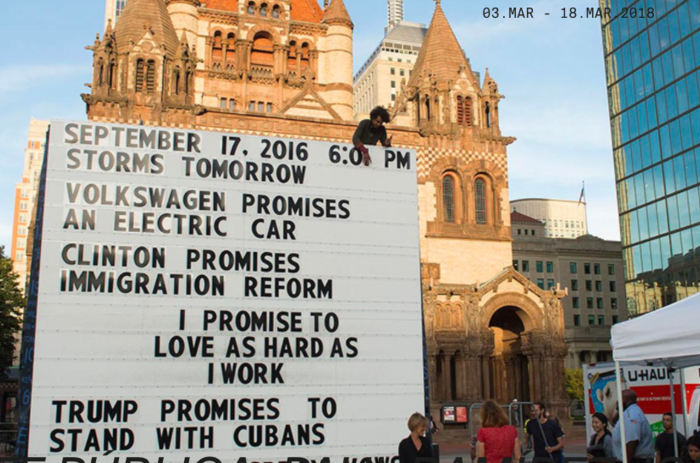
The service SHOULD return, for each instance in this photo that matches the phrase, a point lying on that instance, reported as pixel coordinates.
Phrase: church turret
(443, 95)
(338, 59)
(180, 79)
(133, 62)
(491, 99)
(104, 80)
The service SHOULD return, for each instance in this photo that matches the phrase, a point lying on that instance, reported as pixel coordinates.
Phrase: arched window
(151, 76)
(276, 11)
(448, 198)
(292, 56)
(251, 7)
(427, 107)
(176, 81)
(100, 72)
(304, 55)
(230, 48)
(112, 68)
(262, 51)
(263, 10)
(488, 115)
(188, 80)
(217, 46)
(480, 200)
(140, 74)
(464, 111)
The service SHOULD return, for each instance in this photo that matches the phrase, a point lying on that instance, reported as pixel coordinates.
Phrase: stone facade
(592, 271)
(491, 332)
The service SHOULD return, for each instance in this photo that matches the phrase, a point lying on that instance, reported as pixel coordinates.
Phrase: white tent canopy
(668, 336)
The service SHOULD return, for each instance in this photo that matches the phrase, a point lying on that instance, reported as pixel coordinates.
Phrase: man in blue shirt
(639, 443)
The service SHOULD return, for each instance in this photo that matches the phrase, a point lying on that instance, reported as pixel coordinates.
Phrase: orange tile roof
(224, 5)
(337, 11)
(307, 11)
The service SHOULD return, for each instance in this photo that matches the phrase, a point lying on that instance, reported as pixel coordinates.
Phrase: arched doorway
(508, 366)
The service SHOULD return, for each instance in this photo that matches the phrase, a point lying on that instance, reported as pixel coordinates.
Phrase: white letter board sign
(209, 294)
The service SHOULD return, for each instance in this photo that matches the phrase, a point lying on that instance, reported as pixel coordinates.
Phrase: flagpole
(585, 207)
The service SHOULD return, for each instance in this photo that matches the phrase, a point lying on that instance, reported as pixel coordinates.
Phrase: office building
(113, 9)
(592, 271)
(653, 72)
(25, 195)
(381, 77)
(395, 12)
(562, 218)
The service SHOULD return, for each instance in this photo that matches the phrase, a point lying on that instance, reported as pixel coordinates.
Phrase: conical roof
(337, 11)
(140, 16)
(440, 53)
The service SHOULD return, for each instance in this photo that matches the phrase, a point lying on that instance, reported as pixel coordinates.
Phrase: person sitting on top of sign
(370, 131)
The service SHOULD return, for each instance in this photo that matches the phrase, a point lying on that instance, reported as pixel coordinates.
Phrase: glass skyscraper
(652, 58)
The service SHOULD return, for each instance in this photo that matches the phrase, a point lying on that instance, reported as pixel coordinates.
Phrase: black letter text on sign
(224, 296)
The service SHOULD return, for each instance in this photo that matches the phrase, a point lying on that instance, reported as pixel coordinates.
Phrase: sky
(550, 69)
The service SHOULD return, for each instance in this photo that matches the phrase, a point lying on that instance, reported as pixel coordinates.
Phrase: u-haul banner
(209, 294)
(652, 385)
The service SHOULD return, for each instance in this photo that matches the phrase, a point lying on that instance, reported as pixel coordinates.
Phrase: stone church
(285, 68)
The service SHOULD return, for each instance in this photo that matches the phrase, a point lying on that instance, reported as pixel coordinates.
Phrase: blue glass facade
(653, 76)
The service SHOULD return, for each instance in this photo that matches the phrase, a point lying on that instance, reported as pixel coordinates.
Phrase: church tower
(490, 332)
(141, 67)
(443, 95)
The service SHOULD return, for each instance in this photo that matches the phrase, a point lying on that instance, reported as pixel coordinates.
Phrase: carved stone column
(313, 60)
(277, 59)
(243, 48)
(441, 376)
(510, 378)
(461, 375)
(432, 376)
(486, 376)
(474, 377)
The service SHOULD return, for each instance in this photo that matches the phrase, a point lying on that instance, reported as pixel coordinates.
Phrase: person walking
(416, 445)
(370, 131)
(639, 443)
(600, 445)
(496, 439)
(665, 446)
(547, 437)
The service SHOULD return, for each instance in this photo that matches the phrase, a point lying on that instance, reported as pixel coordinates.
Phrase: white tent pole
(684, 395)
(621, 412)
(669, 372)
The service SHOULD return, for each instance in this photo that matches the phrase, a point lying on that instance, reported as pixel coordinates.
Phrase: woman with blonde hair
(496, 439)
(416, 445)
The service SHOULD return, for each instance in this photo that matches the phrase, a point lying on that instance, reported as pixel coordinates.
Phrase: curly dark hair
(381, 112)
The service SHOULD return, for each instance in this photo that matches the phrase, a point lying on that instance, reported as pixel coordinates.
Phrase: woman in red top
(496, 439)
